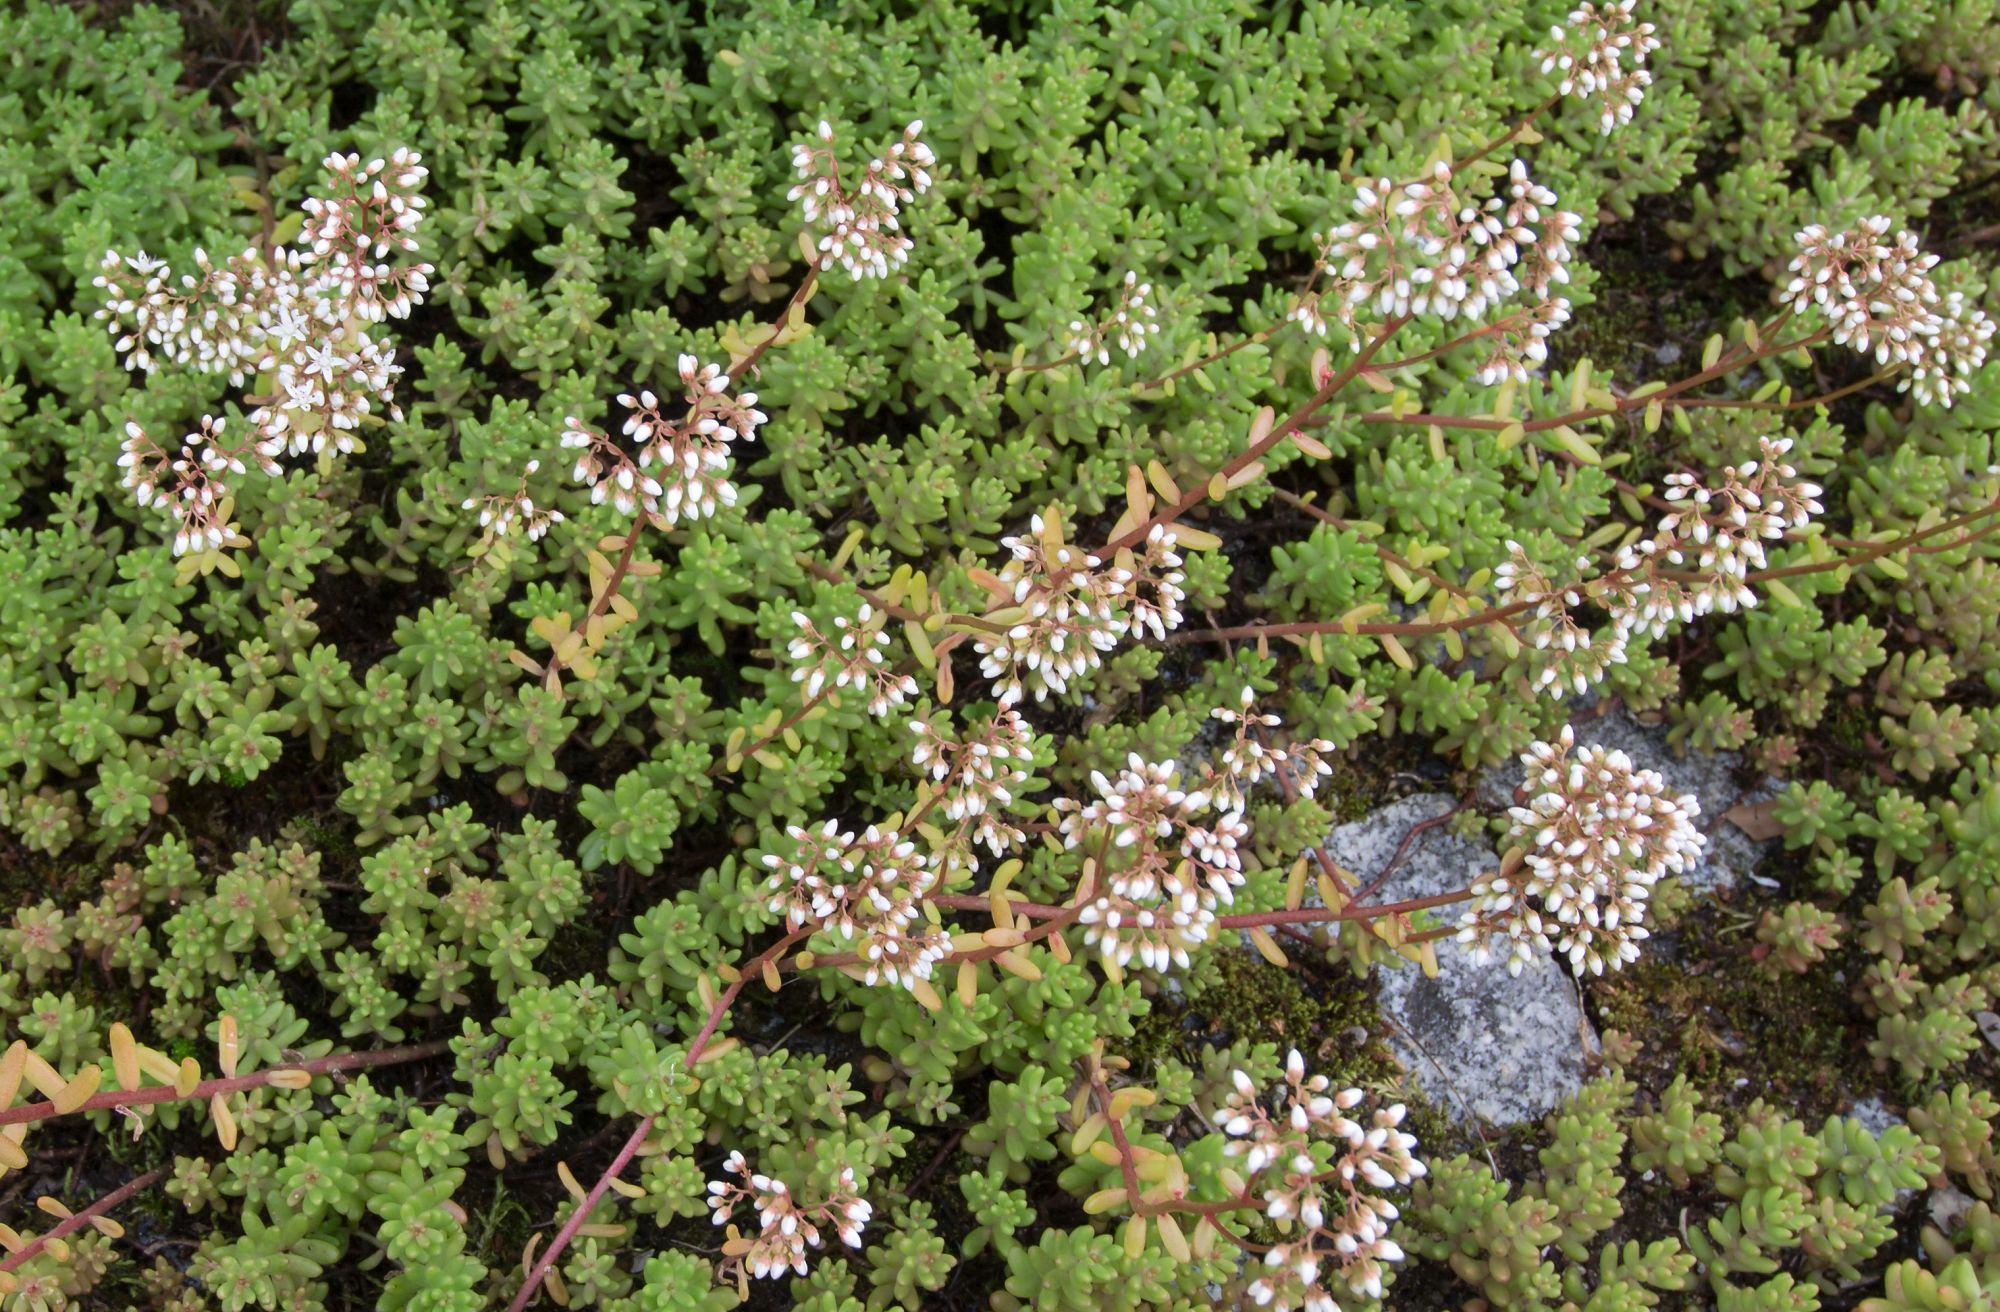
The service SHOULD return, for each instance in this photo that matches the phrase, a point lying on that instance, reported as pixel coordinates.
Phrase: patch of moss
(1327, 1015)
(1353, 790)
(1658, 305)
(499, 1229)
(1719, 1020)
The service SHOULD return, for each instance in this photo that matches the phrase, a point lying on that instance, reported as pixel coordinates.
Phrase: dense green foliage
(320, 800)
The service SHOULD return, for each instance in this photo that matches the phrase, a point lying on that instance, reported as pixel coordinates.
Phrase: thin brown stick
(1727, 364)
(800, 294)
(1247, 920)
(540, 1271)
(1374, 885)
(1223, 353)
(1824, 398)
(1510, 135)
(1496, 614)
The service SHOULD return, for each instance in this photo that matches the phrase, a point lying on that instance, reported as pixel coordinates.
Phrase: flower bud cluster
(194, 486)
(786, 1227)
(1128, 325)
(868, 890)
(860, 229)
(501, 515)
(1169, 859)
(1601, 56)
(976, 776)
(1595, 836)
(1698, 562)
(1314, 1165)
(1157, 593)
(297, 319)
(1249, 758)
(246, 314)
(854, 657)
(1424, 249)
(682, 465)
(1564, 652)
(1720, 532)
(1061, 607)
(1876, 292)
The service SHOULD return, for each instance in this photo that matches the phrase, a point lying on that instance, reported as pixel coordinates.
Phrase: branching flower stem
(1862, 554)
(1328, 389)
(633, 1142)
(1729, 363)
(601, 604)
(1248, 920)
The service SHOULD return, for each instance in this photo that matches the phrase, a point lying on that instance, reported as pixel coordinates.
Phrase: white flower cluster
(193, 486)
(1592, 58)
(1128, 325)
(1721, 532)
(1335, 1230)
(1062, 608)
(1249, 758)
(868, 891)
(682, 467)
(861, 230)
(1597, 834)
(501, 515)
(1698, 562)
(1164, 871)
(297, 318)
(976, 776)
(1565, 652)
(1422, 249)
(786, 1228)
(1876, 292)
(852, 659)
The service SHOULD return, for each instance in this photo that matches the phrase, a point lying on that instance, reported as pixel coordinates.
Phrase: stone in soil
(1482, 1044)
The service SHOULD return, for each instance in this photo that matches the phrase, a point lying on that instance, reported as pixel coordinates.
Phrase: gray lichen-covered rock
(1483, 1044)
(1711, 777)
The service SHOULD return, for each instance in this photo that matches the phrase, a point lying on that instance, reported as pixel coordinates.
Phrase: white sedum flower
(1130, 322)
(853, 656)
(1601, 57)
(977, 775)
(299, 316)
(1700, 561)
(1063, 607)
(1877, 294)
(786, 1229)
(1169, 859)
(1596, 834)
(1250, 757)
(1425, 250)
(678, 468)
(868, 891)
(501, 516)
(858, 218)
(1335, 1229)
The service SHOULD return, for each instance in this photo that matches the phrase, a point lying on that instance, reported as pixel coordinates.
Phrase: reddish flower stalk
(77, 1220)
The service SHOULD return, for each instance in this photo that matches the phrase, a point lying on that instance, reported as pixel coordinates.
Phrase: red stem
(539, 1272)
(29, 1113)
(1199, 493)
(71, 1224)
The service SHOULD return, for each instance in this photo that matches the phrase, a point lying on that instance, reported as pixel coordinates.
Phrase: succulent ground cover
(659, 656)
